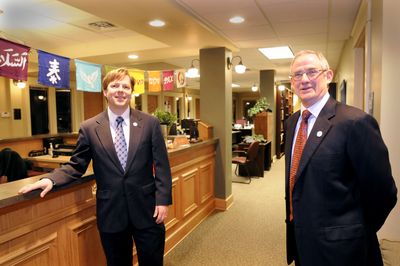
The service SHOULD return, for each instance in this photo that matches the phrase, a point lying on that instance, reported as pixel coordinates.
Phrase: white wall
(390, 103)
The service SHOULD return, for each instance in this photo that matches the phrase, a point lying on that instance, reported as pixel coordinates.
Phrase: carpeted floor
(251, 232)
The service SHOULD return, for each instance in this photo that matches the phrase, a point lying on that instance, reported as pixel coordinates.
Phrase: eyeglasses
(311, 74)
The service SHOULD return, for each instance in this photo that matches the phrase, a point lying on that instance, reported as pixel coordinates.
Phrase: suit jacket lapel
(105, 138)
(290, 130)
(319, 131)
(135, 134)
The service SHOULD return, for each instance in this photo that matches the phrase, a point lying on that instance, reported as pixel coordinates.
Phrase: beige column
(216, 109)
(267, 89)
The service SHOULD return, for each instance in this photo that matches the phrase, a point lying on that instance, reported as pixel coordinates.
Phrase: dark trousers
(294, 245)
(149, 244)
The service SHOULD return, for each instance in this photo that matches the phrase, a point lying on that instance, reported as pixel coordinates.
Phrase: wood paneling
(93, 103)
(152, 103)
(60, 229)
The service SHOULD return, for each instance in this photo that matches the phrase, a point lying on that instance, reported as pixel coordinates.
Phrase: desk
(263, 159)
(48, 162)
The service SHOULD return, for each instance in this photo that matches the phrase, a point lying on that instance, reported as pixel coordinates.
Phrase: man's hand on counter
(45, 184)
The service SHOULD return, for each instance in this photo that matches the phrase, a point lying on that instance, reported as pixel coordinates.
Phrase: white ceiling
(61, 27)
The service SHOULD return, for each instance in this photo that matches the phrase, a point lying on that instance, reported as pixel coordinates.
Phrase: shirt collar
(316, 108)
(113, 117)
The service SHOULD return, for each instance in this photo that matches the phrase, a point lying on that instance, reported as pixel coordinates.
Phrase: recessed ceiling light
(157, 23)
(133, 56)
(236, 19)
(281, 52)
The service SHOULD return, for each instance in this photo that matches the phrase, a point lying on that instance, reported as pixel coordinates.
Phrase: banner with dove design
(88, 76)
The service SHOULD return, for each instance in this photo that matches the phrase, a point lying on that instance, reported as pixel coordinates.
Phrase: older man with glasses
(339, 185)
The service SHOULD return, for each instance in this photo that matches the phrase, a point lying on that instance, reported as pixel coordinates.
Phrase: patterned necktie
(120, 143)
(298, 150)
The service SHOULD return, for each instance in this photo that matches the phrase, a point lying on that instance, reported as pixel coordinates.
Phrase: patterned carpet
(251, 232)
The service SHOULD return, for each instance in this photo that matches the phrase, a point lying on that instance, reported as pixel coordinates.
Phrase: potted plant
(166, 120)
(262, 118)
(254, 137)
(261, 105)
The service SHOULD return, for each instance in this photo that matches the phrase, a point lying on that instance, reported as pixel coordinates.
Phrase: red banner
(168, 80)
(13, 60)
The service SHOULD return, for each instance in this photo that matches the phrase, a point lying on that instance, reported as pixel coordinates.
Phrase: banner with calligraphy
(13, 60)
(180, 78)
(138, 75)
(168, 80)
(88, 76)
(154, 81)
(53, 70)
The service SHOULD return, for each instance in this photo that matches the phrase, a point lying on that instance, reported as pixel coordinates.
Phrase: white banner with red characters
(180, 78)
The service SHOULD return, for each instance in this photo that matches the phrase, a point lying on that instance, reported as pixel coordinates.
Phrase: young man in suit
(132, 203)
(343, 188)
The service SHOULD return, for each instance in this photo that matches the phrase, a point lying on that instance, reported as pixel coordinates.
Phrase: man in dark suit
(132, 203)
(343, 187)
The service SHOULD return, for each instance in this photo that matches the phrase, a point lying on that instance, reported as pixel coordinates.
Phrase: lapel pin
(319, 134)
(135, 124)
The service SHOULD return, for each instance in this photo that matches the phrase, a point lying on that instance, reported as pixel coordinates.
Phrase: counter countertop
(9, 191)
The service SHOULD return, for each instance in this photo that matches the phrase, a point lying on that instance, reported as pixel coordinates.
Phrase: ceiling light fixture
(281, 87)
(19, 83)
(281, 52)
(235, 85)
(193, 72)
(239, 68)
(157, 23)
(254, 88)
(236, 20)
(133, 56)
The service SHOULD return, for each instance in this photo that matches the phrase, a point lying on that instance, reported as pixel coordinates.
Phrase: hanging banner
(168, 80)
(109, 68)
(138, 75)
(13, 60)
(88, 76)
(53, 70)
(154, 81)
(180, 78)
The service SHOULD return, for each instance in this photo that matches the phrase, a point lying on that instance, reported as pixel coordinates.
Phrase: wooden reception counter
(60, 229)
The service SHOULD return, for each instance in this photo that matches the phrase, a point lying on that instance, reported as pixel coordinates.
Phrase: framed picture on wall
(343, 86)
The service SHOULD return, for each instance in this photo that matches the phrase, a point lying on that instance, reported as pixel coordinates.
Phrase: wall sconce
(254, 88)
(19, 83)
(239, 68)
(193, 72)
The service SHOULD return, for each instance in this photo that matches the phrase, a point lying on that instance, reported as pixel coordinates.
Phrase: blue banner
(53, 70)
(88, 76)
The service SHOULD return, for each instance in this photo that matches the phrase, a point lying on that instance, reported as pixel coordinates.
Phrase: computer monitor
(186, 124)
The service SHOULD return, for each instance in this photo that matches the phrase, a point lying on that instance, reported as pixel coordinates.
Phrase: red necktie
(298, 150)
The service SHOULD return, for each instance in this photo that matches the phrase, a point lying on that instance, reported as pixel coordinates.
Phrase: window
(63, 106)
(39, 111)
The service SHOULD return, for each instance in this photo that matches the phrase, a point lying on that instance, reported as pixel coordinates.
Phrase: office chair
(12, 165)
(248, 161)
